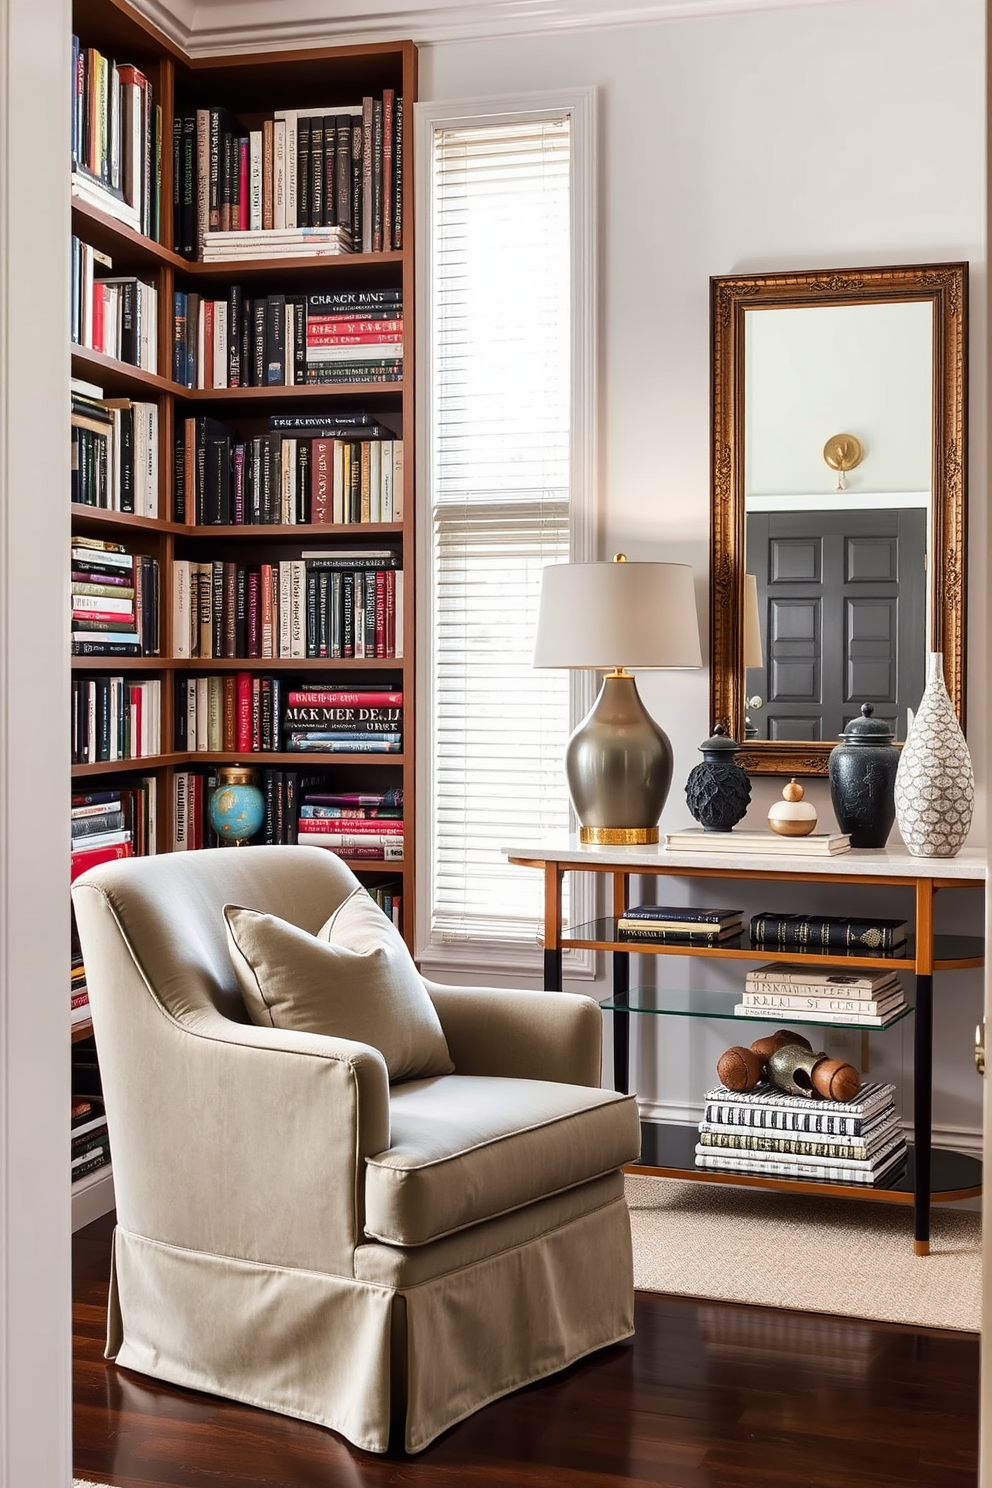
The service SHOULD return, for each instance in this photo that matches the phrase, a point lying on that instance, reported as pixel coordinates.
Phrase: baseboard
(91, 1197)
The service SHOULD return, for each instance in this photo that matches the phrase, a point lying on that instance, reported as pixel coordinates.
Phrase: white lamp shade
(753, 651)
(603, 615)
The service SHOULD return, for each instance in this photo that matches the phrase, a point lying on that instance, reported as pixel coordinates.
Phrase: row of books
(79, 992)
(115, 139)
(246, 713)
(302, 470)
(821, 995)
(680, 924)
(115, 718)
(764, 1131)
(328, 179)
(389, 898)
(295, 804)
(325, 604)
(114, 451)
(115, 600)
(280, 339)
(113, 314)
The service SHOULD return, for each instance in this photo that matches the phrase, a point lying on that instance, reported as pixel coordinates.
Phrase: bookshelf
(251, 90)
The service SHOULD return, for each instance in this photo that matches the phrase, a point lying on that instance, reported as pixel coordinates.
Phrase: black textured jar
(862, 773)
(718, 790)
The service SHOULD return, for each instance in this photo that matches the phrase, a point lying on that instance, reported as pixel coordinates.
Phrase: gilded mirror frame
(945, 286)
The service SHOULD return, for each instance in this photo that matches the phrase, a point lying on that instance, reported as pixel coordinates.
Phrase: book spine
(795, 1167)
(830, 935)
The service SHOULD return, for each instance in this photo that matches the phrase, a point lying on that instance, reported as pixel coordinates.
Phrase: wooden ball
(763, 1047)
(836, 1080)
(793, 791)
(739, 1068)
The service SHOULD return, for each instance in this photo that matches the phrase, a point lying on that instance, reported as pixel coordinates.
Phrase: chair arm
(527, 1035)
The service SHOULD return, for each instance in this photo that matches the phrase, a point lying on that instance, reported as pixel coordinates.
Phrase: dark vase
(718, 790)
(862, 772)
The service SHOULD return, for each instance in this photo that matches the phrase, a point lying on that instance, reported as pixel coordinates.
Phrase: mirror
(838, 483)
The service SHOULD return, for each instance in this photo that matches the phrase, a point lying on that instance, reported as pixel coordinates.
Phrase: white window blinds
(500, 353)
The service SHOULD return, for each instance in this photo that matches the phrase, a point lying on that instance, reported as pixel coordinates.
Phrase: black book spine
(235, 209)
(234, 313)
(292, 806)
(324, 618)
(214, 482)
(347, 612)
(275, 340)
(247, 329)
(377, 182)
(280, 806)
(214, 183)
(342, 171)
(179, 714)
(269, 820)
(102, 730)
(317, 214)
(303, 173)
(298, 350)
(226, 179)
(266, 495)
(357, 149)
(259, 317)
(312, 618)
(126, 458)
(303, 452)
(330, 148)
(278, 692)
(217, 607)
(179, 474)
(188, 215)
(130, 345)
(177, 183)
(784, 932)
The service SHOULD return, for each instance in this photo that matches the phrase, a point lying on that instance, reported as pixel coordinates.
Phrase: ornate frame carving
(946, 287)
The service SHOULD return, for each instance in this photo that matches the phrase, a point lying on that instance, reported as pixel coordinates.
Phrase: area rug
(811, 1254)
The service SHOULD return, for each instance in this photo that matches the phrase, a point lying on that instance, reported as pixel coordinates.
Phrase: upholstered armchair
(307, 1222)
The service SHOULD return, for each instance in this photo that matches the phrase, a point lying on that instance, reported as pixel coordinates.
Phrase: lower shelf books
(828, 932)
(763, 1131)
(89, 1139)
(669, 924)
(822, 995)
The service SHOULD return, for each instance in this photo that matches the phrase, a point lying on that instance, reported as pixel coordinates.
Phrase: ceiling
(203, 27)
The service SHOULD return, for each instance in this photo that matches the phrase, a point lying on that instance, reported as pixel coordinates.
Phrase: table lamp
(615, 616)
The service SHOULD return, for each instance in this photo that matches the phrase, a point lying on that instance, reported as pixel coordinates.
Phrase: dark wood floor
(708, 1395)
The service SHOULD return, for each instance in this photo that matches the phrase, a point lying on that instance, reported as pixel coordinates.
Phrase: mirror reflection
(838, 502)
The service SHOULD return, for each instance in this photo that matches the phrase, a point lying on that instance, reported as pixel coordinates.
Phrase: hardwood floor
(708, 1395)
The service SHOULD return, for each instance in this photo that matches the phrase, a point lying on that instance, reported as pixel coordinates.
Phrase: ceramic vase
(935, 783)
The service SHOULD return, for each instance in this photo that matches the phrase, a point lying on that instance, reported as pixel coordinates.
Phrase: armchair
(295, 1232)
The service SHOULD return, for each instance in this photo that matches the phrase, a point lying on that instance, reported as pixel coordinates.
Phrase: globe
(236, 808)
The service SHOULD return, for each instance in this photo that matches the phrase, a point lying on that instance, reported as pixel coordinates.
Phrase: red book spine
(93, 856)
(381, 337)
(322, 489)
(230, 712)
(340, 699)
(375, 826)
(96, 339)
(207, 311)
(254, 612)
(388, 180)
(244, 712)
(380, 613)
(137, 740)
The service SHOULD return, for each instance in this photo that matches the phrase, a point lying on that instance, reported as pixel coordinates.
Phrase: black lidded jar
(717, 791)
(862, 771)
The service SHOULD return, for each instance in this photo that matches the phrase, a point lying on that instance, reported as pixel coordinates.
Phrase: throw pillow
(355, 979)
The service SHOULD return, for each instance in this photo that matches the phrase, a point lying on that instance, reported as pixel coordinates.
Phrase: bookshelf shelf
(252, 89)
(669, 1149)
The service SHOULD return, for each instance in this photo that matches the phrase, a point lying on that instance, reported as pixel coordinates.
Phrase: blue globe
(236, 811)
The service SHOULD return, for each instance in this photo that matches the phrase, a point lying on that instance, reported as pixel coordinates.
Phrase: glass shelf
(948, 950)
(694, 1003)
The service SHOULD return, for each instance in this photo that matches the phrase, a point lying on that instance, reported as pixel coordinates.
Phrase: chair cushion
(469, 1147)
(355, 979)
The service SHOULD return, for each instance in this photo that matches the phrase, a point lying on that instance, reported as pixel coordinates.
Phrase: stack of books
(79, 992)
(821, 994)
(764, 1131)
(353, 826)
(817, 844)
(674, 924)
(874, 937)
(114, 600)
(100, 831)
(90, 1141)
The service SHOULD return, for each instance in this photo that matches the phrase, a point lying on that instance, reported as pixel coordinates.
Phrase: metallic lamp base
(618, 836)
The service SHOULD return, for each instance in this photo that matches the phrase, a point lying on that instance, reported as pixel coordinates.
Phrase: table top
(971, 863)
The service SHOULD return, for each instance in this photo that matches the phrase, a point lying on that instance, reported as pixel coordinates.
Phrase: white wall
(814, 137)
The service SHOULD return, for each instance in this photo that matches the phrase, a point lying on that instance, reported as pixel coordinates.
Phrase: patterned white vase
(935, 783)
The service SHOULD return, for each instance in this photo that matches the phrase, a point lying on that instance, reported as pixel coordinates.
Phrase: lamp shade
(603, 615)
(753, 651)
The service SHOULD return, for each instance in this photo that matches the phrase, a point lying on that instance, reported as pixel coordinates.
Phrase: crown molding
(205, 28)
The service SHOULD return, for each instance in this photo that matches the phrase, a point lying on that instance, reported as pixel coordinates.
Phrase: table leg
(621, 1022)
(922, 1112)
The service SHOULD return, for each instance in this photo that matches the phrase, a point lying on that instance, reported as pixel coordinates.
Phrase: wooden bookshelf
(250, 87)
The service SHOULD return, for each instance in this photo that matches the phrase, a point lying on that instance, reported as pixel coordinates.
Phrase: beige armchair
(295, 1232)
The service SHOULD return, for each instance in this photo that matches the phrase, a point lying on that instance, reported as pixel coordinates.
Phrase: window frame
(580, 104)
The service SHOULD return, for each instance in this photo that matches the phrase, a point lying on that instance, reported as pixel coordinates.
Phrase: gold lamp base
(618, 836)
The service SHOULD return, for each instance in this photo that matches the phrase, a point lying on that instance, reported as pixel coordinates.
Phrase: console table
(932, 1174)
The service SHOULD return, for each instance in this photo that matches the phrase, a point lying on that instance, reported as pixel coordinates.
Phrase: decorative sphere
(792, 816)
(236, 808)
(739, 1069)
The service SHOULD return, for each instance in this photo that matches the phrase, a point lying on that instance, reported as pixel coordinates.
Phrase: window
(503, 287)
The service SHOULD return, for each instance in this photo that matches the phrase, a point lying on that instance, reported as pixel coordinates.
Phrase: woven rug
(810, 1254)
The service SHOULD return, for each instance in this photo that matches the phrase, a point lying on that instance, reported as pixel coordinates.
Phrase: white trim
(35, 1295)
(581, 105)
(231, 26)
